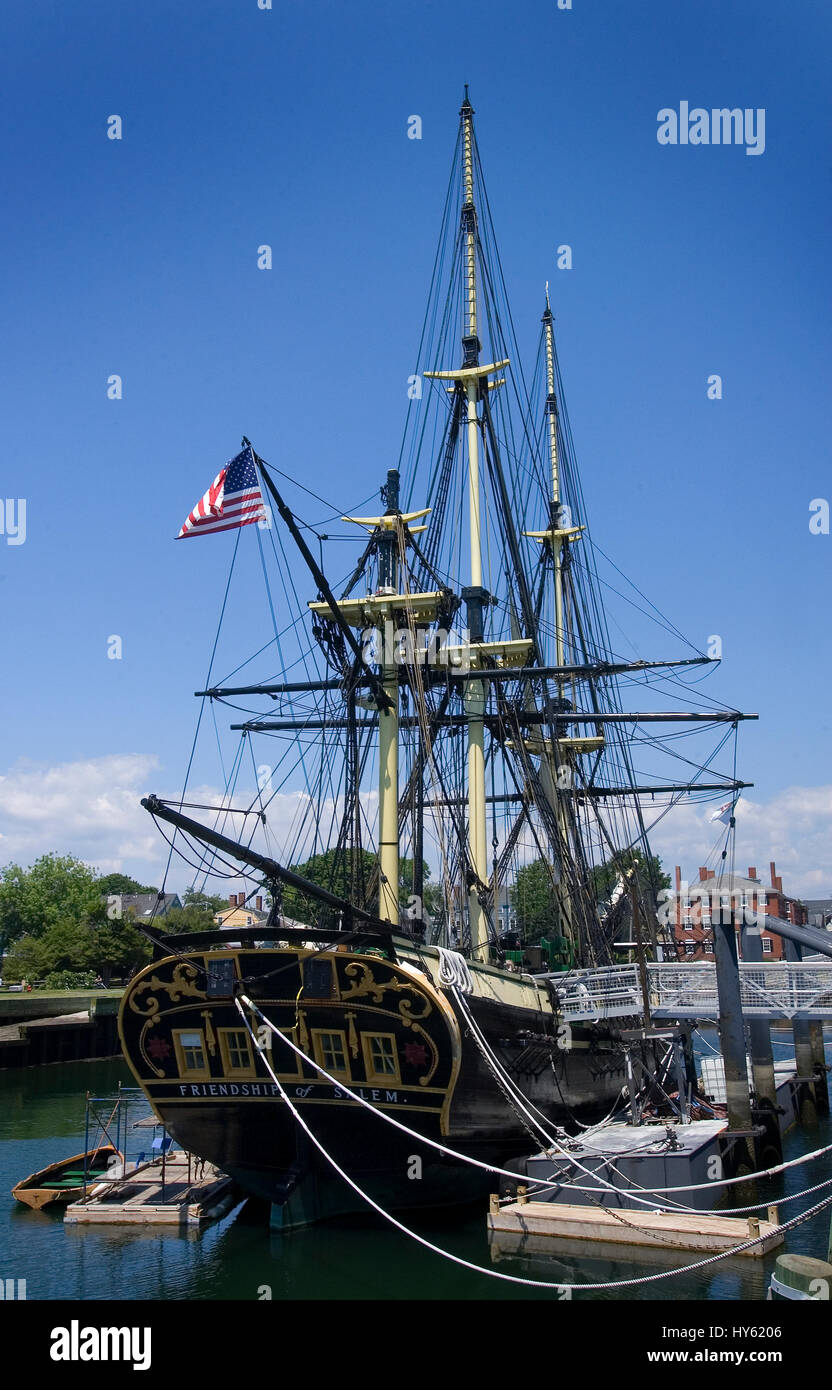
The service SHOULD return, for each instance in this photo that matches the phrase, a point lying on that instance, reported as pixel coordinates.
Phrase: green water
(42, 1119)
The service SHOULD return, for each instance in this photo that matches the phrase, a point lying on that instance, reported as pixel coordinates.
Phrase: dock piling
(821, 1075)
(762, 1058)
(803, 1055)
(732, 1034)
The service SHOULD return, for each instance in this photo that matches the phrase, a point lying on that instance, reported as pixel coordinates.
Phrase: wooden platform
(139, 1199)
(666, 1230)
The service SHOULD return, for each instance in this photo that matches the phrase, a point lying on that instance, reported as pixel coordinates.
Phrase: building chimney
(678, 872)
(232, 900)
(752, 873)
(258, 903)
(703, 875)
(241, 899)
(772, 870)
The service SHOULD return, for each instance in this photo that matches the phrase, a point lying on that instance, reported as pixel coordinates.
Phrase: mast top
(466, 108)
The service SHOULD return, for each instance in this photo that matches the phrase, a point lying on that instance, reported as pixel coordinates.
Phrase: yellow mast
(388, 798)
(557, 760)
(557, 558)
(557, 542)
(378, 610)
(475, 692)
(473, 378)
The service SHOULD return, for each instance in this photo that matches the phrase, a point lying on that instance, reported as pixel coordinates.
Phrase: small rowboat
(62, 1181)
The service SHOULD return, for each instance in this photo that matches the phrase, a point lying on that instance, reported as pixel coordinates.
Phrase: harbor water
(42, 1120)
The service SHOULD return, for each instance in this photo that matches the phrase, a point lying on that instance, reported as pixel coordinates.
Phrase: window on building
(330, 1051)
(766, 940)
(687, 922)
(380, 1059)
(689, 948)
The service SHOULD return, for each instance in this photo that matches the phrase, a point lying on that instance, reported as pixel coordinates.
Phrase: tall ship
(385, 1030)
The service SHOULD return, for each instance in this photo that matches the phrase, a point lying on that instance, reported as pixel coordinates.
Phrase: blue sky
(289, 127)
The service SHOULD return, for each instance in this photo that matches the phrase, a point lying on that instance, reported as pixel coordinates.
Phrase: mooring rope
(560, 1286)
(493, 1168)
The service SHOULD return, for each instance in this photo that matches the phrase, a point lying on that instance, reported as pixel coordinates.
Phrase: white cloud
(793, 828)
(92, 808)
(89, 808)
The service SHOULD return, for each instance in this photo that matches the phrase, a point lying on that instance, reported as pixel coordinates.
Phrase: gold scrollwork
(434, 1052)
(406, 1008)
(365, 982)
(157, 1071)
(181, 984)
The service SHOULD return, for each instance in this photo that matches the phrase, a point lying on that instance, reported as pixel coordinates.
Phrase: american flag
(233, 499)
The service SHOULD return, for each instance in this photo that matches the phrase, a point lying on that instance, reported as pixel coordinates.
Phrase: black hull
(443, 1088)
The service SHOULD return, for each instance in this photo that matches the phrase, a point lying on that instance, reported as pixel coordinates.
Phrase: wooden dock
(142, 1198)
(665, 1230)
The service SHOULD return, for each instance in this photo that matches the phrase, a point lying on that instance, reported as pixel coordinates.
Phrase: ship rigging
(456, 698)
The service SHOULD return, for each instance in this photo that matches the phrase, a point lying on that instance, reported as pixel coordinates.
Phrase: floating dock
(149, 1195)
(663, 1230)
(651, 1156)
(603, 1186)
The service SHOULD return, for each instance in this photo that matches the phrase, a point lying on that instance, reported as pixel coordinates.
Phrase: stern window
(190, 1052)
(236, 1052)
(330, 1051)
(380, 1057)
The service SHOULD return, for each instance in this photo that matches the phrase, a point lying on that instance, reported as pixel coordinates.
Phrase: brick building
(697, 904)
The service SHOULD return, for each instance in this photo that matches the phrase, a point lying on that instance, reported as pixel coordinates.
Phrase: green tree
(650, 876)
(208, 902)
(432, 898)
(57, 888)
(193, 917)
(115, 948)
(334, 872)
(27, 960)
(104, 947)
(110, 884)
(533, 899)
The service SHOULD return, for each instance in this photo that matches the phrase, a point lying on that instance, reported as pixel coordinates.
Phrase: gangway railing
(612, 991)
(781, 989)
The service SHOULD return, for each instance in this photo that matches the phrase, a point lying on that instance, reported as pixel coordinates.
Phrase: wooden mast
(475, 692)
(473, 378)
